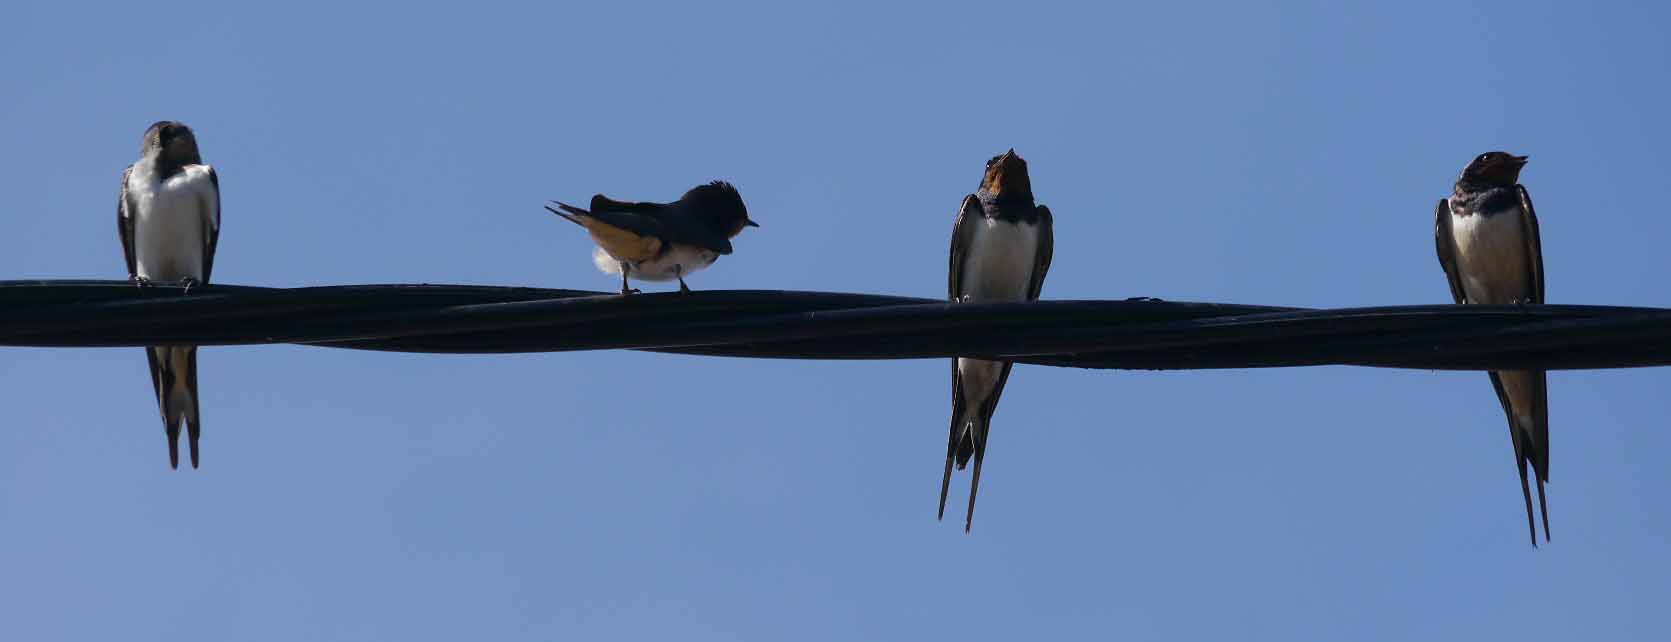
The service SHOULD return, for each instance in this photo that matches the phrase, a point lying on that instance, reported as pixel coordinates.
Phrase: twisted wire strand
(1129, 334)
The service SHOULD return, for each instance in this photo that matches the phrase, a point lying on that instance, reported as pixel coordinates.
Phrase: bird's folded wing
(669, 225)
(1445, 244)
(963, 234)
(124, 223)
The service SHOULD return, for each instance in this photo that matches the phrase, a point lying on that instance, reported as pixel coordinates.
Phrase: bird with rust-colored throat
(1001, 249)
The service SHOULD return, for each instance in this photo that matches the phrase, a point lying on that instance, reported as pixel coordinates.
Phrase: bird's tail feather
(1534, 453)
(174, 377)
(1526, 492)
(974, 429)
(958, 429)
(194, 426)
(163, 378)
(1527, 455)
(974, 488)
(967, 429)
(569, 212)
(1543, 507)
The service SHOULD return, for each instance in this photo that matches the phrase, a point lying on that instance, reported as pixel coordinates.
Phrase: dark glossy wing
(1041, 260)
(657, 220)
(643, 219)
(968, 215)
(963, 234)
(1445, 243)
(607, 204)
(1534, 244)
(1539, 455)
(211, 223)
(124, 224)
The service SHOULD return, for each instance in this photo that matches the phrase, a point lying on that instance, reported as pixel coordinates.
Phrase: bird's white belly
(997, 268)
(1491, 257)
(680, 259)
(998, 264)
(168, 233)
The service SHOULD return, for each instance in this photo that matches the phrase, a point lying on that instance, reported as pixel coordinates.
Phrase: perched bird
(1487, 238)
(1001, 249)
(169, 218)
(661, 241)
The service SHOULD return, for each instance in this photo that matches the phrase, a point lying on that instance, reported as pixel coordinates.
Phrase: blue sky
(1282, 153)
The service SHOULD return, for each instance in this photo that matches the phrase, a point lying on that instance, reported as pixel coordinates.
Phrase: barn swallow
(168, 215)
(661, 241)
(1001, 248)
(1487, 238)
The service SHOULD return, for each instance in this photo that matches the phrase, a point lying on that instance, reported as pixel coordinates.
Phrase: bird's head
(1006, 178)
(719, 204)
(172, 141)
(1497, 169)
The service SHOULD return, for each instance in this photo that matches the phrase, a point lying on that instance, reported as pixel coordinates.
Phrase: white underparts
(997, 268)
(1491, 257)
(171, 219)
(679, 259)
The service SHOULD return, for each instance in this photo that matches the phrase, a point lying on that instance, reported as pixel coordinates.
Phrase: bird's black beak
(750, 223)
(1521, 160)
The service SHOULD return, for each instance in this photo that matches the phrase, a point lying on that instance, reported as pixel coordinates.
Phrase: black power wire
(1133, 334)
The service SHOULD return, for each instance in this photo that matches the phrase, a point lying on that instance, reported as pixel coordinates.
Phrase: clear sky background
(1240, 152)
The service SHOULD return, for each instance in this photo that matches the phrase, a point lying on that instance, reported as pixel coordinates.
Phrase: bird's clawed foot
(188, 283)
(139, 281)
(625, 270)
(679, 271)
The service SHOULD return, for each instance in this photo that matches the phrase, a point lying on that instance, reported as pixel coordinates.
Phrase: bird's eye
(1483, 158)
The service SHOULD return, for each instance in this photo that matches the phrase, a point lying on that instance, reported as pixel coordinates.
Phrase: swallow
(1486, 233)
(168, 215)
(661, 241)
(1001, 249)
